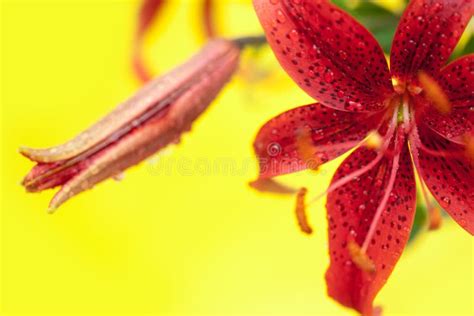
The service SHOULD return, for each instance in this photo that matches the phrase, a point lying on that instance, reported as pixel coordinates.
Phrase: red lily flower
(422, 119)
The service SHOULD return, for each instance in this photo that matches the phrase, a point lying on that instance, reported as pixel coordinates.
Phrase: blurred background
(182, 233)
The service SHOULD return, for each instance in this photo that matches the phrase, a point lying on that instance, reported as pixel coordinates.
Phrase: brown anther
(360, 258)
(434, 93)
(301, 211)
(307, 150)
(435, 218)
(468, 140)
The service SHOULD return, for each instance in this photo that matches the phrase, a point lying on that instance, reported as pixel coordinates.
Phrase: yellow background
(171, 244)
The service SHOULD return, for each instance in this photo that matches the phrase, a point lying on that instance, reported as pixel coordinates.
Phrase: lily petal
(331, 133)
(457, 80)
(449, 179)
(209, 18)
(327, 53)
(427, 34)
(148, 11)
(356, 275)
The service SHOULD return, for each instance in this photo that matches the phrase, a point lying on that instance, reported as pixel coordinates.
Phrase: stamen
(351, 176)
(468, 140)
(416, 141)
(301, 212)
(434, 93)
(385, 198)
(434, 215)
(374, 140)
(307, 150)
(360, 258)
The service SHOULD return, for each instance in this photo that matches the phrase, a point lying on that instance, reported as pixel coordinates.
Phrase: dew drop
(446, 200)
(354, 106)
(329, 76)
(294, 35)
(362, 207)
(343, 55)
(456, 17)
(322, 156)
(281, 17)
(340, 94)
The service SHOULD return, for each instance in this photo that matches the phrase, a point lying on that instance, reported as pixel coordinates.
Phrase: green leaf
(467, 49)
(421, 216)
(381, 22)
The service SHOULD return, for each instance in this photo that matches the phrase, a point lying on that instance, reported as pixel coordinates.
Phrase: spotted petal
(327, 53)
(276, 144)
(449, 178)
(427, 34)
(457, 80)
(351, 210)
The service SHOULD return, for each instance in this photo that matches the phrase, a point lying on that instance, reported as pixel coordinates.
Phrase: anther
(306, 149)
(435, 219)
(360, 258)
(300, 211)
(434, 93)
(374, 140)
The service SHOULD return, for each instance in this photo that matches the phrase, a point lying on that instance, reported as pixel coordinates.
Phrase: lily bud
(154, 117)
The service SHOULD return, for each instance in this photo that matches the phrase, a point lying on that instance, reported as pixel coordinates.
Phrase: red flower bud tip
(301, 211)
(153, 118)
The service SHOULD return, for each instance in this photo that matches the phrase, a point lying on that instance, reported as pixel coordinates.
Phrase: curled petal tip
(51, 209)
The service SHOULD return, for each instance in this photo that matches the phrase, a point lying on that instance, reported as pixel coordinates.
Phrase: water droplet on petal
(281, 17)
(294, 35)
(329, 76)
(343, 55)
(456, 17)
(446, 200)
